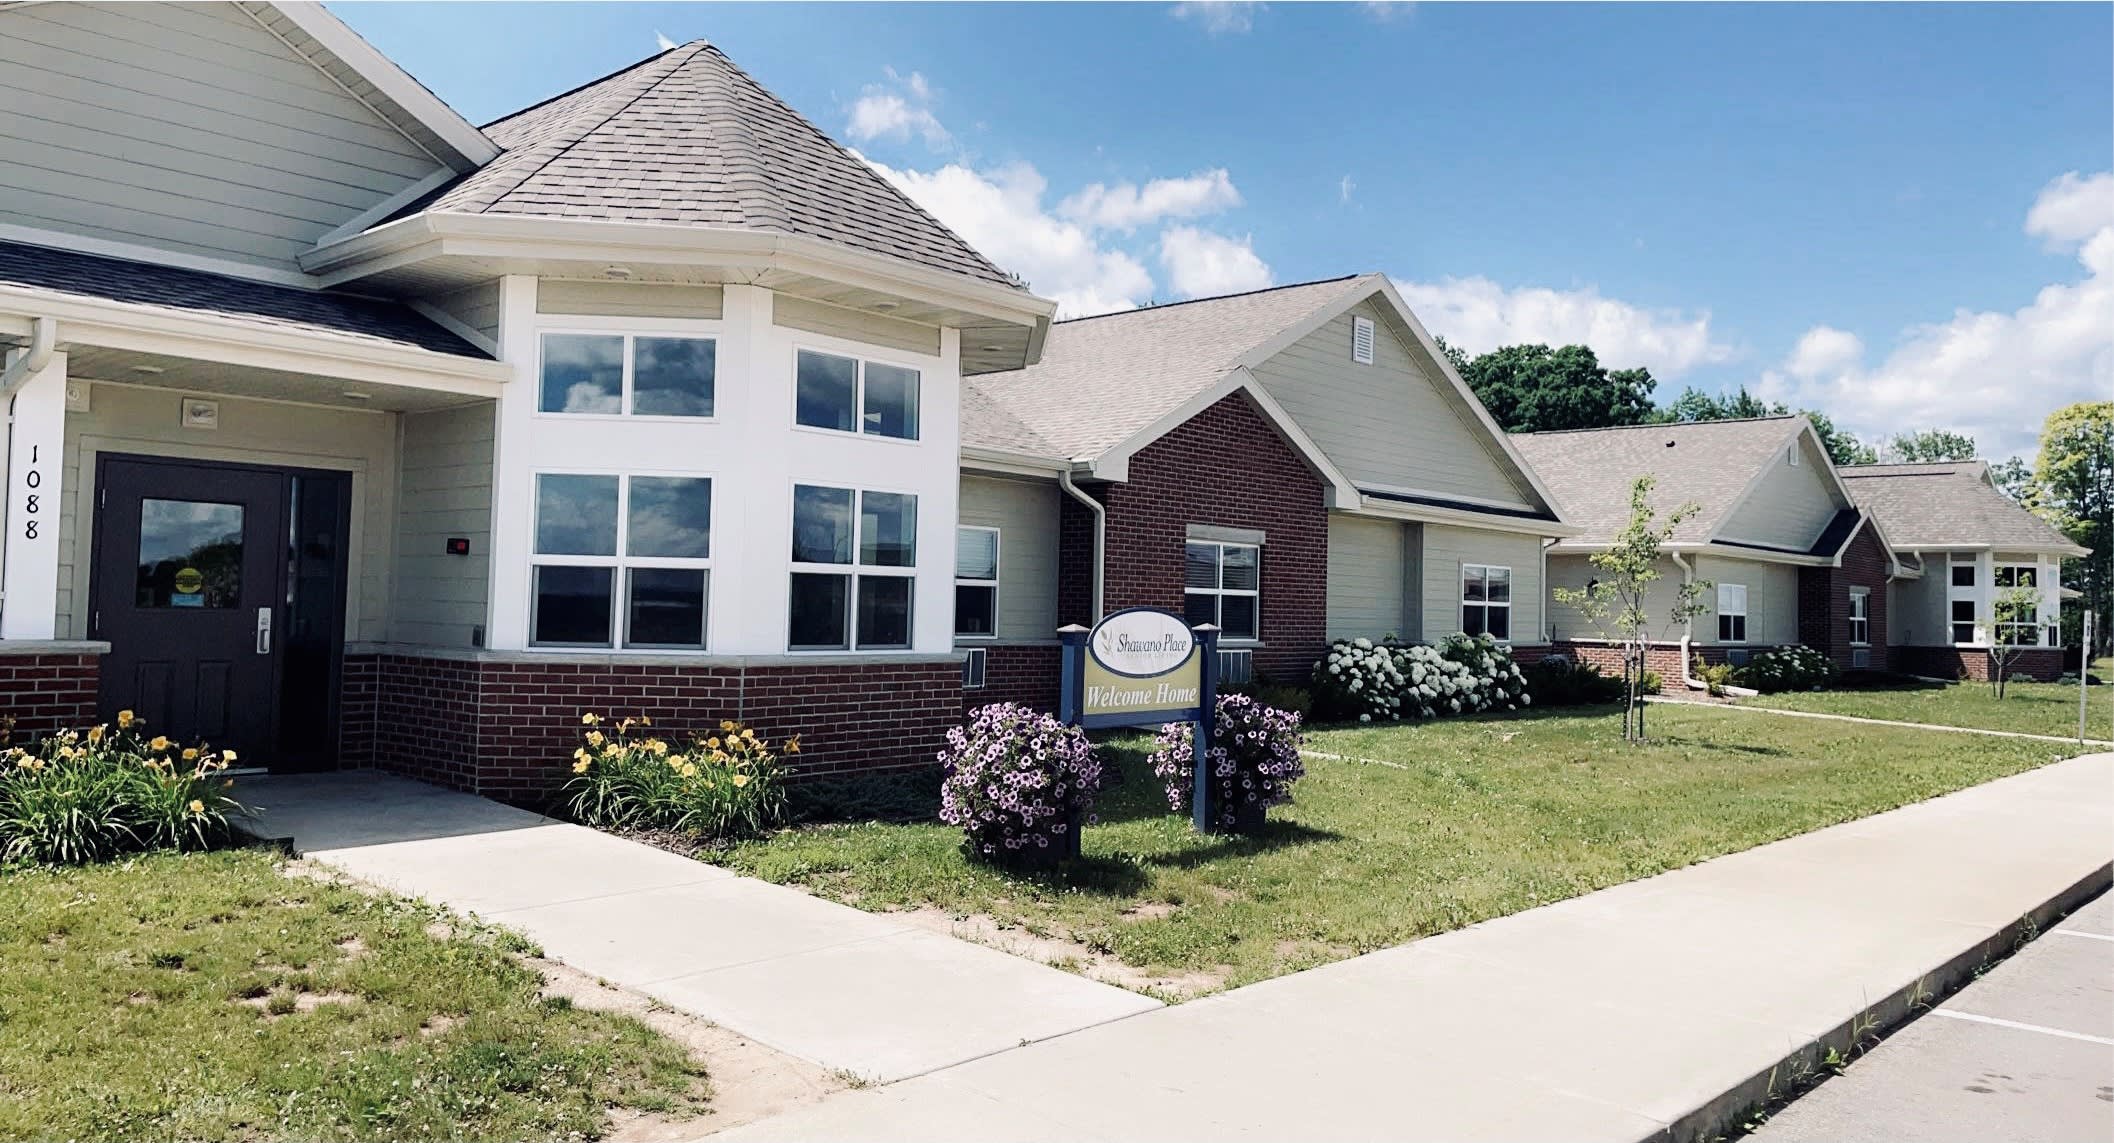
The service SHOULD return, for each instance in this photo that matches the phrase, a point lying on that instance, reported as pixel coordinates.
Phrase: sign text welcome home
(1143, 667)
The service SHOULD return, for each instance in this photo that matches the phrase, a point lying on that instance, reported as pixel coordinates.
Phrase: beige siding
(1916, 608)
(854, 325)
(1387, 423)
(1574, 572)
(474, 306)
(1025, 514)
(1369, 578)
(446, 491)
(1791, 505)
(127, 419)
(1772, 599)
(185, 127)
(1446, 548)
(629, 299)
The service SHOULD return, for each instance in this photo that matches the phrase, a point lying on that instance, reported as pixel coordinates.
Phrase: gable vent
(1362, 340)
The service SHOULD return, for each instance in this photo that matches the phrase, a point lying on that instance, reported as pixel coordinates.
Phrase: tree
(2013, 608)
(2013, 478)
(1695, 405)
(1843, 448)
(1453, 354)
(1533, 388)
(1930, 445)
(1616, 599)
(2073, 488)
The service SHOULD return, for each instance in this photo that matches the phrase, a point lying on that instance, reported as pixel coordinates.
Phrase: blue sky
(1862, 208)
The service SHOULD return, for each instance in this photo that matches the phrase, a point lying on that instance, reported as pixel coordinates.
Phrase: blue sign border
(1194, 643)
(1071, 699)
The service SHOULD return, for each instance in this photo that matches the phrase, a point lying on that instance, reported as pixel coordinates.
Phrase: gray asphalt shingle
(1708, 462)
(1946, 503)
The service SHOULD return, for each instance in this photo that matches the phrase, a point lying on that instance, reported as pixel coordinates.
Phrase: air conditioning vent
(1860, 658)
(1362, 340)
(1236, 668)
(973, 669)
(1738, 656)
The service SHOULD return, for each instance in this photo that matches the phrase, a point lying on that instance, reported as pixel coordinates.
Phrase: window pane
(582, 373)
(572, 605)
(1474, 617)
(673, 376)
(576, 515)
(827, 391)
(671, 517)
(1732, 599)
(1237, 616)
(975, 610)
(2026, 576)
(1500, 623)
(190, 554)
(888, 529)
(1963, 575)
(1500, 585)
(665, 607)
(822, 525)
(976, 553)
(1963, 632)
(1199, 609)
(1200, 566)
(2006, 576)
(1474, 585)
(884, 611)
(1241, 569)
(817, 611)
(891, 401)
(1963, 611)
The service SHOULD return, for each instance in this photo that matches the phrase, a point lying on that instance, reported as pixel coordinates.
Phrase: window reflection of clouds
(576, 515)
(822, 525)
(671, 517)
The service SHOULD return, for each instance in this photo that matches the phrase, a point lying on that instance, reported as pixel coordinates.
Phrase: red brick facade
(1824, 603)
(1022, 673)
(2042, 664)
(40, 693)
(1662, 659)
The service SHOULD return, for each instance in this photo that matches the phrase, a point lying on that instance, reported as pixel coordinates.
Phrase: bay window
(975, 583)
(620, 374)
(854, 563)
(1222, 585)
(1732, 613)
(621, 561)
(1486, 600)
(848, 395)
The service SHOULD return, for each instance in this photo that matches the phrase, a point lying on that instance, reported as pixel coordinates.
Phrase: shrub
(1560, 681)
(1017, 780)
(1714, 676)
(719, 785)
(1786, 669)
(1649, 684)
(1254, 759)
(1283, 696)
(1392, 681)
(90, 795)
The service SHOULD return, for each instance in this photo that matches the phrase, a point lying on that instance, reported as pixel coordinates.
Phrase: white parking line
(2086, 1037)
(2082, 933)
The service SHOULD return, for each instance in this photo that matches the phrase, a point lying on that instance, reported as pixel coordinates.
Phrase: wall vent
(1860, 658)
(1236, 668)
(1362, 340)
(973, 669)
(1738, 656)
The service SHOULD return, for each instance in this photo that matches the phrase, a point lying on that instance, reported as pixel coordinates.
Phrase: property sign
(1143, 667)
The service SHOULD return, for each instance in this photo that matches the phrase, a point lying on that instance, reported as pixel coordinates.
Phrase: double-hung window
(1963, 620)
(975, 583)
(1860, 617)
(1222, 585)
(623, 374)
(1486, 600)
(1732, 613)
(621, 561)
(849, 395)
(854, 569)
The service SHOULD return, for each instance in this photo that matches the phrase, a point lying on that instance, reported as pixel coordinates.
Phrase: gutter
(43, 339)
(1688, 634)
(1100, 511)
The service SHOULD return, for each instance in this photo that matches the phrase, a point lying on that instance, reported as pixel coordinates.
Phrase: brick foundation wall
(1824, 602)
(1226, 466)
(2041, 664)
(1015, 673)
(41, 693)
(1663, 659)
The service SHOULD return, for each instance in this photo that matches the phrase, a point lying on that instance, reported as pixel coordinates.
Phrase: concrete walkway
(848, 990)
(1653, 1007)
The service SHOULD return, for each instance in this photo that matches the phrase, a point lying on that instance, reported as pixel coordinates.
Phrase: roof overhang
(311, 31)
(1708, 548)
(2070, 551)
(1000, 462)
(1114, 463)
(1002, 327)
(1381, 508)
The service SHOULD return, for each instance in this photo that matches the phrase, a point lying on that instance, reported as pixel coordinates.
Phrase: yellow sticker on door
(190, 586)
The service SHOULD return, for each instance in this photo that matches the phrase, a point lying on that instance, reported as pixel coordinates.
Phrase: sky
(1900, 215)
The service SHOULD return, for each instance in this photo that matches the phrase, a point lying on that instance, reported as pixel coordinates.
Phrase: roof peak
(1158, 306)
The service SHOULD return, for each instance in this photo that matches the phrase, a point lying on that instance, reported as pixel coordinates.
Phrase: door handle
(264, 631)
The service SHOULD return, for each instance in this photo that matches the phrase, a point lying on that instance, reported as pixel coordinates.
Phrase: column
(35, 469)
(513, 494)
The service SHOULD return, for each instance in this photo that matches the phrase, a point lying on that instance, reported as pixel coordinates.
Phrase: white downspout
(1100, 511)
(1688, 634)
(1548, 597)
(43, 338)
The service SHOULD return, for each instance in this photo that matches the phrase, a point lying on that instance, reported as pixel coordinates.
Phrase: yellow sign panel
(1140, 661)
(189, 581)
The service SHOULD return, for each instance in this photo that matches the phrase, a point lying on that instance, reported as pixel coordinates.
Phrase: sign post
(1144, 667)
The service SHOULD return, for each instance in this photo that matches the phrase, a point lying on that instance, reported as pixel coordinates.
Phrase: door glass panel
(190, 554)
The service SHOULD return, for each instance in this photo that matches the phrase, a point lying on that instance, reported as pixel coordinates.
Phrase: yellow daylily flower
(689, 769)
(596, 738)
(125, 719)
(726, 724)
(160, 742)
(197, 807)
(227, 756)
(95, 734)
(644, 721)
(580, 767)
(792, 745)
(741, 779)
(190, 753)
(581, 755)
(590, 718)
(712, 743)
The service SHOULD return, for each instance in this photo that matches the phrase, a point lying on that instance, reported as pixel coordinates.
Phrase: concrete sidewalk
(852, 991)
(1653, 1007)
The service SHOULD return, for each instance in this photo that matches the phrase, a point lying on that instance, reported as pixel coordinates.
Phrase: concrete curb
(1721, 1116)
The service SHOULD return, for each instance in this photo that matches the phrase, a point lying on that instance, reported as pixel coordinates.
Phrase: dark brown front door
(196, 571)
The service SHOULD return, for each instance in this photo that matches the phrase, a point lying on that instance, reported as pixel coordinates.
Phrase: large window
(975, 582)
(1486, 600)
(853, 396)
(2019, 627)
(1222, 585)
(621, 561)
(1963, 620)
(614, 374)
(1732, 613)
(854, 563)
(1860, 616)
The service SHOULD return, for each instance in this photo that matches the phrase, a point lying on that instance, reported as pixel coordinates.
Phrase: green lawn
(2029, 708)
(214, 997)
(1446, 824)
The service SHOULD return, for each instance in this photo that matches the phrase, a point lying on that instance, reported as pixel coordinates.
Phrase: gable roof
(1712, 463)
(687, 138)
(374, 79)
(1949, 504)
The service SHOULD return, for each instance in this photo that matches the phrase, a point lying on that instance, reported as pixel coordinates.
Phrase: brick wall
(1663, 659)
(1824, 602)
(2042, 664)
(1226, 466)
(1017, 673)
(40, 693)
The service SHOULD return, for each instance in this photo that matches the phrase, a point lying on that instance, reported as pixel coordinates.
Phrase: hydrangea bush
(91, 795)
(1798, 668)
(1018, 782)
(720, 784)
(1253, 760)
(1389, 681)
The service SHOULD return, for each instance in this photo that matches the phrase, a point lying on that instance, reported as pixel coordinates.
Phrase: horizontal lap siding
(1367, 574)
(854, 325)
(446, 492)
(1447, 547)
(1772, 599)
(629, 299)
(1025, 513)
(1791, 506)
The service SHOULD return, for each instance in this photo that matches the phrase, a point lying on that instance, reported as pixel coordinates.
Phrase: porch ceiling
(212, 378)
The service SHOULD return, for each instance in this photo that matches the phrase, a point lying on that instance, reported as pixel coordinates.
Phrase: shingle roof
(1946, 503)
(217, 295)
(1103, 379)
(688, 138)
(1708, 462)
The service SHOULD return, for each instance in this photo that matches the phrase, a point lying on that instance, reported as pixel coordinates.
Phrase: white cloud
(1824, 349)
(1384, 11)
(1220, 17)
(1126, 206)
(1993, 375)
(1344, 189)
(1201, 264)
(897, 110)
(1479, 315)
(662, 42)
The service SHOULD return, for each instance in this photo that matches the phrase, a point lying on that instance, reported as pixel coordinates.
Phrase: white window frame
(621, 563)
(1974, 594)
(1485, 602)
(861, 359)
(1218, 607)
(2031, 627)
(853, 571)
(961, 581)
(1724, 612)
(1860, 617)
(630, 331)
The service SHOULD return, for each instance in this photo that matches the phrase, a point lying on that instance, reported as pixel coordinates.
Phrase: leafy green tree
(1930, 445)
(2014, 478)
(1615, 600)
(1453, 354)
(1843, 447)
(2073, 487)
(1533, 388)
(1695, 405)
(2013, 608)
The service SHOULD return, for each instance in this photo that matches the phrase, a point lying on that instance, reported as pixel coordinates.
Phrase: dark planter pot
(1035, 858)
